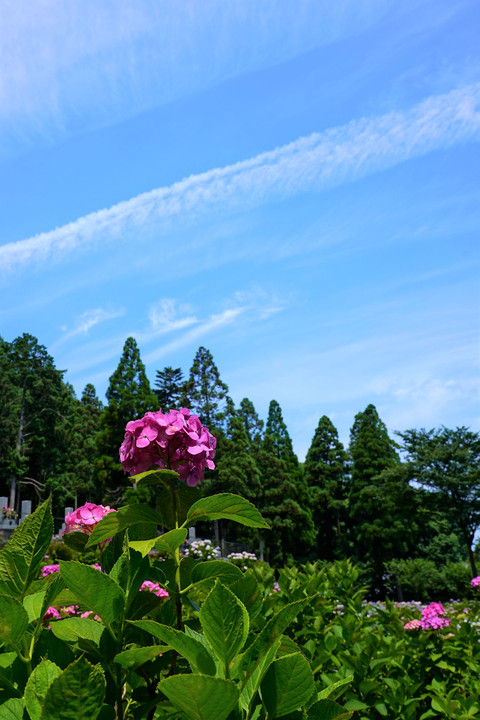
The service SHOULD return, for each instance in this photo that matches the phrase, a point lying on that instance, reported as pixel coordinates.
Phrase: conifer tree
(31, 419)
(373, 457)
(129, 397)
(169, 388)
(284, 499)
(325, 474)
(252, 424)
(205, 390)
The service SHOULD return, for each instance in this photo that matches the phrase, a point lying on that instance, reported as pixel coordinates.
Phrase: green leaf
(226, 506)
(13, 621)
(259, 655)
(287, 685)
(36, 688)
(248, 591)
(134, 657)
(13, 709)
(334, 690)
(155, 477)
(22, 556)
(76, 694)
(168, 542)
(125, 517)
(188, 647)
(75, 540)
(215, 570)
(94, 590)
(328, 710)
(225, 623)
(77, 628)
(33, 605)
(201, 697)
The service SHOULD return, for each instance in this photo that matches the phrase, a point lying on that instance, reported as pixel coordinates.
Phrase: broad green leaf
(226, 506)
(125, 517)
(168, 542)
(76, 694)
(215, 570)
(36, 688)
(287, 685)
(184, 498)
(225, 623)
(327, 709)
(188, 647)
(334, 690)
(107, 712)
(13, 621)
(33, 605)
(247, 589)
(75, 540)
(155, 477)
(134, 657)
(23, 553)
(72, 629)
(12, 709)
(259, 655)
(93, 590)
(201, 697)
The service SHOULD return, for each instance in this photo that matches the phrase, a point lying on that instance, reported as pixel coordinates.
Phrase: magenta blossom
(86, 517)
(475, 582)
(154, 588)
(174, 440)
(49, 569)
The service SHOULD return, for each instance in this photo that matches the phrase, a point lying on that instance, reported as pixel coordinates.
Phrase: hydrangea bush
(112, 641)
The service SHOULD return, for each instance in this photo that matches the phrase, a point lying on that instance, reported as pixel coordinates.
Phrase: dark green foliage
(77, 481)
(379, 500)
(447, 462)
(252, 424)
(169, 388)
(129, 397)
(284, 500)
(205, 390)
(32, 403)
(325, 475)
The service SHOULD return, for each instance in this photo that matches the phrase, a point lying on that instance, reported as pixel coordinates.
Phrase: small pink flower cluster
(475, 582)
(431, 618)
(174, 440)
(49, 569)
(85, 518)
(154, 588)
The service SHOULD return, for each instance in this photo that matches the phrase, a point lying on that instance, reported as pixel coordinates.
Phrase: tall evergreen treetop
(325, 475)
(252, 423)
(206, 392)
(169, 388)
(371, 449)
(129, 388)
(276, 439)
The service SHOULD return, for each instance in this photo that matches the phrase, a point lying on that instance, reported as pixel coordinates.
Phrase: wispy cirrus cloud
(88, 320)
(315, 163)
(68, 67)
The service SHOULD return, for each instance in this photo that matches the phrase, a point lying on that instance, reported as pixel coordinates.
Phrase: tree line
(377, 500)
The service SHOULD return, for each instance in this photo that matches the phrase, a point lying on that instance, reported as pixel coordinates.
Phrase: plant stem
(177, 589)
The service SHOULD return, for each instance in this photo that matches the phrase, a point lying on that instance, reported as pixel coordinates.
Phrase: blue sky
(294, 186)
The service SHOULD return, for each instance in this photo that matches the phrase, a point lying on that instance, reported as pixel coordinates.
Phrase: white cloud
(68, 66)
(86, 321)
(317, 162)
(164, 316)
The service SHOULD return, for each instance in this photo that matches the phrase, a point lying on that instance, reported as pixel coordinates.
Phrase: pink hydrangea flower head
(175, 440)
(413, 625)
(475, 582)
(86, 517)
(433, 609)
